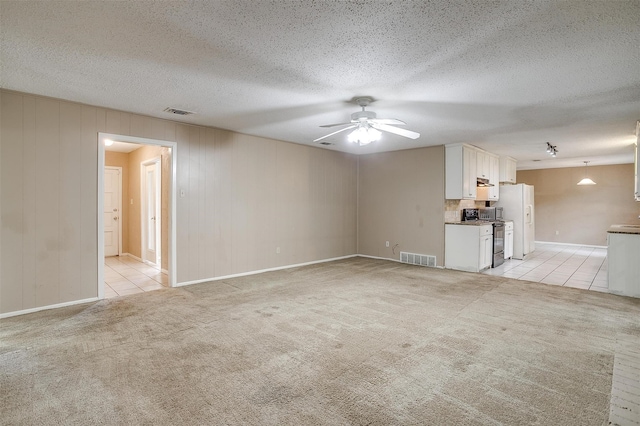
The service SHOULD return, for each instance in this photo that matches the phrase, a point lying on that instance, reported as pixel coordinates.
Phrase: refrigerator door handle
(529, 214)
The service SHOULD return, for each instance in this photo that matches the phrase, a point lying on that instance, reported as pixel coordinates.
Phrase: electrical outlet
(557, 232)
(387, 244)
(277, 250)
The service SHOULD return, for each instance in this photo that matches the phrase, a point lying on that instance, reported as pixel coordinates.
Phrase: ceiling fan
(367, 126)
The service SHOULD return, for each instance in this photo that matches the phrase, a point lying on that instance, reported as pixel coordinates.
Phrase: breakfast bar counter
(623, 254)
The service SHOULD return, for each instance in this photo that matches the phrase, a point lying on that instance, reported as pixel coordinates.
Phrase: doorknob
(115, 210)
(115, 218)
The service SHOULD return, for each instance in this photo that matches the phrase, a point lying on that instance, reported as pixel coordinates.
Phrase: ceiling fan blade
(402, 132)
(337, 124)
(387, 121)
(331, 134)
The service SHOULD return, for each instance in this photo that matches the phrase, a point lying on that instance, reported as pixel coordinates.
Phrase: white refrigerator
(517, 203)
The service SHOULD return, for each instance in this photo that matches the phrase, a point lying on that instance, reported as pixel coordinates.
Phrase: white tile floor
(125, 275)
(557, 264)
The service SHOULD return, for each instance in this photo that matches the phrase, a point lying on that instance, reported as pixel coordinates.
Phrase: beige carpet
(358, 341)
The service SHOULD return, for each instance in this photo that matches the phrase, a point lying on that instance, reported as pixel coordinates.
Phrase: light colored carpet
(358, 341)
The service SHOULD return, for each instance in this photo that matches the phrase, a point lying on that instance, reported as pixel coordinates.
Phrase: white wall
(401, 200)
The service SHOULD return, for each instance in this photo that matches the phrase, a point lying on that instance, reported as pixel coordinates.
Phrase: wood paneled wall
(244, 197)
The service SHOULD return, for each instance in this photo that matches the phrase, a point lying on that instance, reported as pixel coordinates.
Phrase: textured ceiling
(505, 76)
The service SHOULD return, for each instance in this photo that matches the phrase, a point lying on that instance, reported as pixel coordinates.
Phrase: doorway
(147, 209)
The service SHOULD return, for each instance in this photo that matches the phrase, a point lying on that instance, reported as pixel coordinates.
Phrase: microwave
(491, 214)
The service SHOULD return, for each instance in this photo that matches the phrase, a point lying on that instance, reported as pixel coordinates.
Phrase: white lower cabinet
(468, 247)
(508, 239)
(623, 273)
(486, 251)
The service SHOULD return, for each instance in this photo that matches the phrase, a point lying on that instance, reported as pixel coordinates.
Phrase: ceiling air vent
(178, 111)
(326, 143)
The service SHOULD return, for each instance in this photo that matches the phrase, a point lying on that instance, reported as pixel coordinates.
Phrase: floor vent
(418, 259)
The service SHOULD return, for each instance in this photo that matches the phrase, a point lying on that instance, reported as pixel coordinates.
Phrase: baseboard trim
(47, 307)
(259, 271)
(569, 244)
(133, 257)
(182, 284)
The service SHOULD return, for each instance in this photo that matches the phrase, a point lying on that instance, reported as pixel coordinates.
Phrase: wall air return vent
(418, 259)
(178, 111)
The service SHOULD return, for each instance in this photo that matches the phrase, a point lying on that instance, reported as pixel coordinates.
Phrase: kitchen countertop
(624, 229)
(471, 222)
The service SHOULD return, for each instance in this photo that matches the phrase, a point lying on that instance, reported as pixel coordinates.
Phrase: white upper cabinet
(637, 163)
(460, 172)
(508, 170)
(483, 164)
(494, 177)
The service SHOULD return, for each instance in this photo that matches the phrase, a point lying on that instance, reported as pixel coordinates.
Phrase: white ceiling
(124, 147)
(506, 76)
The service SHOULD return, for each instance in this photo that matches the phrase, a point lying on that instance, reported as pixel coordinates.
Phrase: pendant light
(586, 180)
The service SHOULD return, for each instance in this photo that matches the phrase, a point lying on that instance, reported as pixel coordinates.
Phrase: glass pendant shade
(586, 180)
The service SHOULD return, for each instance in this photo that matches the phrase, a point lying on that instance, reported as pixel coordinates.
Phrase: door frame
(172, 273)
(157, 162)
(119, 169)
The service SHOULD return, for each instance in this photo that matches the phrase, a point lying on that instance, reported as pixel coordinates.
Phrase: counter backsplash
(453, 208)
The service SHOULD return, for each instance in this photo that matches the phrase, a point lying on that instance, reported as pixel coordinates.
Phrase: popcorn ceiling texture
(506, 76)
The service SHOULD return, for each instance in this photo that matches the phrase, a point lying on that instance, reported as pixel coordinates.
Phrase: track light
(552, 150)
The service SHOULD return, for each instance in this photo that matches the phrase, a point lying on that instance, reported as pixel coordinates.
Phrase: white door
(151, 198)
(111, 211)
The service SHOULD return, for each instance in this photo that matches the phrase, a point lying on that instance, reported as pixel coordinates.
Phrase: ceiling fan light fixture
(367, 127)
(364, 135)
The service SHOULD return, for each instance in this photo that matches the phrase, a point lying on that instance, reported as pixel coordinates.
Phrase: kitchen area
(496, 221)
(484, 218)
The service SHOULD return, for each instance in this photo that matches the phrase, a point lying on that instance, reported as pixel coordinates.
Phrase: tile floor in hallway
(558, 264)
(125, 275)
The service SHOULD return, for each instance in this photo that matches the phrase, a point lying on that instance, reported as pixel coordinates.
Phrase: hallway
(124, 275)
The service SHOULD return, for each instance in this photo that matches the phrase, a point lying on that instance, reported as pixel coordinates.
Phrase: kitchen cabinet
(623, 273)
(460, 172)
(490, 193)
(508, 169)
(486, 251)
(468, 247)
(494, 177)
(508, 239)
(637, 163)
(483, 164)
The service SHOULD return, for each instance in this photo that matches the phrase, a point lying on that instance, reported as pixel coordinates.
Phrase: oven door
(498, 244)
